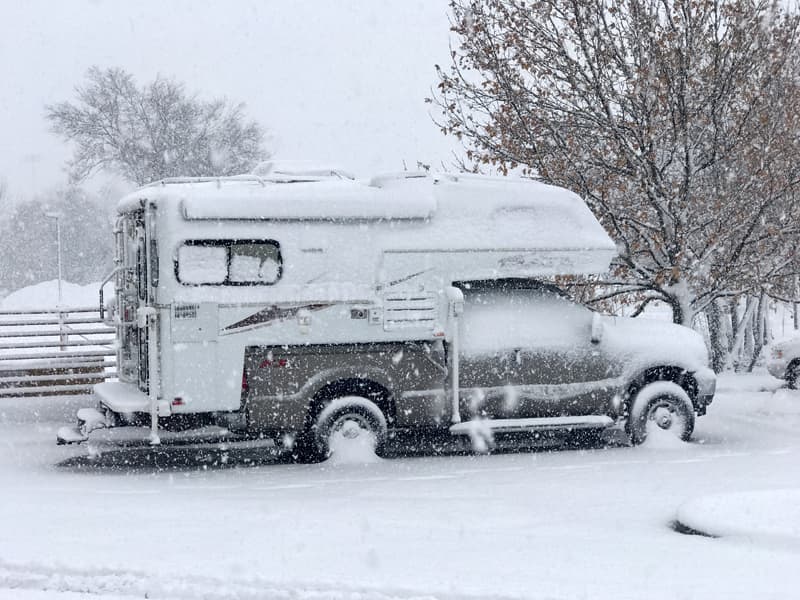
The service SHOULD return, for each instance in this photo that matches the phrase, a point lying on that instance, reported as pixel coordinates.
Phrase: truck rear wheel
(661, 404)
(350, 418)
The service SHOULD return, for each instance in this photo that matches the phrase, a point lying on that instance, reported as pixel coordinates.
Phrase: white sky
(333, 81)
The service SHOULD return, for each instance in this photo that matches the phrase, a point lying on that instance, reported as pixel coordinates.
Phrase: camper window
(254, 263)
(228, 262)
(202, 264)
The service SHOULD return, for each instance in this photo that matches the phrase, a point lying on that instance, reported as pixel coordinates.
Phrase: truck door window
(497, 320)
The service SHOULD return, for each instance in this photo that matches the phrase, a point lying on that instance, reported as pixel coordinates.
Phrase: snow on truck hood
(651, 341)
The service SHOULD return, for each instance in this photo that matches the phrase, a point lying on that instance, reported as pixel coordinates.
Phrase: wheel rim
(351, 426)
(666, 415)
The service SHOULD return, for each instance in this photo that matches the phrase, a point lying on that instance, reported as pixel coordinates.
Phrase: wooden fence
(53, 352)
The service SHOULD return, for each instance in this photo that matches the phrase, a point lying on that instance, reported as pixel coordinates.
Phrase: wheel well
(791, 373)
(365, 388)
(664, 373)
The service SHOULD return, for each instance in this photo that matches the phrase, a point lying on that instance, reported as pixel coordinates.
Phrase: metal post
(62, 336)
(57, 217)
(60, 262)
(455, 299)
(62, 332)
(454, 350)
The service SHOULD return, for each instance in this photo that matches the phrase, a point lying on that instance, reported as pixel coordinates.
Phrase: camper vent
(417, 310)
(185, 311)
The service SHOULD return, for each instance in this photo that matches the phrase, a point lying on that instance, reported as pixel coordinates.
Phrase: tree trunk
(738, 341)
(680, 301)
(749, 341)
(677, 312)
(760, 318)
(733, 314)
(770, 307)
(717, 336)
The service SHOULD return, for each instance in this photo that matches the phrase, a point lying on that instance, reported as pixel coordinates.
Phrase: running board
(535, 424)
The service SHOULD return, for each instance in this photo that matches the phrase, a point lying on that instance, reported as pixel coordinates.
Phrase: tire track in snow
(107, 581)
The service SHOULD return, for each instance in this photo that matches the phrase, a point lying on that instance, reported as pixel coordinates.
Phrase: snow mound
(660, 439)
(771, 517)
(353, 450)
(45, 295)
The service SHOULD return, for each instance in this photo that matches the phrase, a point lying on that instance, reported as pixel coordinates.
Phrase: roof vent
(298, 170)
(383, 179)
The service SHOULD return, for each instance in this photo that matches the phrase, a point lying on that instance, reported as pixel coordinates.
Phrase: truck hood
(642, 342)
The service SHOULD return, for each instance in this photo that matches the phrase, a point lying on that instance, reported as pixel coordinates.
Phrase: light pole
(57, 217)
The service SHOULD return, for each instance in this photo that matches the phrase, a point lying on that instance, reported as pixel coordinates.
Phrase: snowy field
(549, 524)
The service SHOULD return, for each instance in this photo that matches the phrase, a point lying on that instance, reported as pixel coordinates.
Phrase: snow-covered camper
(302, 304)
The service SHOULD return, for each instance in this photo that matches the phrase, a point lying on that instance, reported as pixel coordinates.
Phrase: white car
(784, 360)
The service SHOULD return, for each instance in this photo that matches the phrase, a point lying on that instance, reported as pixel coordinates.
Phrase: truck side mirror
(597, 328)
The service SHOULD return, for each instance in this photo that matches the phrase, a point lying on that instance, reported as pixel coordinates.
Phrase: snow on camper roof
(508, 212)
(282, 196)
(322, 200)
(458, 212)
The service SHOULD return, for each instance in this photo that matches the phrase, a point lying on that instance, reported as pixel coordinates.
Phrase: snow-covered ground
(594, 523)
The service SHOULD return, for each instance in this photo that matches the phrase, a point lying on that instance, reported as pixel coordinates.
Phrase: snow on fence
(53, 352)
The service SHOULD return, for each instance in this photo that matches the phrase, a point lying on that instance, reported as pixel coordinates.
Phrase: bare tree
(154, 131)
(677, 120)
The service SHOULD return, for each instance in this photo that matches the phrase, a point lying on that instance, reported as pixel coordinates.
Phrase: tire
(661, 404)
(793, 375)
(302, 449)
(352, 416)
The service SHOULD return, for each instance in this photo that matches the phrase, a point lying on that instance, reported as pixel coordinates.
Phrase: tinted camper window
(254, 263)
(229, 262)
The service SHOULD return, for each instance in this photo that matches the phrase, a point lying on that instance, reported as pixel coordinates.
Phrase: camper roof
(469, 211)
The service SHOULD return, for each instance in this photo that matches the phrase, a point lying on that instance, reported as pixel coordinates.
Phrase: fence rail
(54, 352)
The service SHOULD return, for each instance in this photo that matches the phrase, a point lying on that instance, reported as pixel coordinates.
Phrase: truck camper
(304, 304)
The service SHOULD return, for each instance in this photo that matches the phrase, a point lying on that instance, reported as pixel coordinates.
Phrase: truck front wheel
(664, 405)
(793, 375)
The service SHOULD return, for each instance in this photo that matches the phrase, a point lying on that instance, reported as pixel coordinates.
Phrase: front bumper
(706, 387)
(777, 367)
